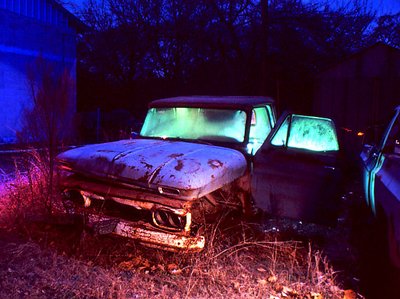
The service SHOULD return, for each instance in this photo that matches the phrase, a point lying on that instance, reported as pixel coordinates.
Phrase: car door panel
(296, 183)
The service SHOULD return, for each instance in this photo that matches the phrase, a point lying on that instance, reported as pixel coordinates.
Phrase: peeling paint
(175, 155)
(146, 165)
(179, 166)
(155, 163)
(144, 234)
(215, 163)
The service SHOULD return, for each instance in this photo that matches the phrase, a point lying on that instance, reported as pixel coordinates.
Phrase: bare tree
(387, 30)
(140, 47)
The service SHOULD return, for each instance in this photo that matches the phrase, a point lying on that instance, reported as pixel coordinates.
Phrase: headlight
(171, 221)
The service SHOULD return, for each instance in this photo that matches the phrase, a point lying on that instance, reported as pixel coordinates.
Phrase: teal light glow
(372, 182)
(307, 132)
(259, 129)
(280, 137)
(374, 165)
(194, 123)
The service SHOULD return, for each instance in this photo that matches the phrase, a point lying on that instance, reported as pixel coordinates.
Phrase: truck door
(295, 172)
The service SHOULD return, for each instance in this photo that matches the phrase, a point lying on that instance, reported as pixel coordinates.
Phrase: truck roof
(239, 102)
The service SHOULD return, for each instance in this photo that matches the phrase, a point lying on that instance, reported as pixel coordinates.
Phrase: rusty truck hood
(190, 169)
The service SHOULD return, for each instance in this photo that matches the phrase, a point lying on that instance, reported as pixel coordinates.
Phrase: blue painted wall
(30, 29)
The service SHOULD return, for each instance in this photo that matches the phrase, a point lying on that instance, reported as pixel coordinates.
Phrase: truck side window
(260, 127)
(307, 132)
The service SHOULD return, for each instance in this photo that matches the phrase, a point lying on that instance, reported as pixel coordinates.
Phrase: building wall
(30, 30)
(362, 91)
(359, 94)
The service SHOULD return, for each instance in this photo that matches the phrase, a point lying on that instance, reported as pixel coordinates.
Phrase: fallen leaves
(261, 269)
(262, 281)
(272, 279)
(141, 264)
(267, 280)
(289, 292)
(174, 269)
(349, 294)
(314, 295)
(136, 262)
(283, 291)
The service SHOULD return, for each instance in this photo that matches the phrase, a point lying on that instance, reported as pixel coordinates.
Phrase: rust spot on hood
(215, 163)
(101, 160)
(175, 155)
(145, 177)
(147, 165)
(179, 166)
(119, 168)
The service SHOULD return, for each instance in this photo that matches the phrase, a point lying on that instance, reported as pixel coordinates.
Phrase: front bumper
(148, 235)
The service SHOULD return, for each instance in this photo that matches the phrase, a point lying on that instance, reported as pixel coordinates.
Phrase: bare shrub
(48, 123)
(27, 195)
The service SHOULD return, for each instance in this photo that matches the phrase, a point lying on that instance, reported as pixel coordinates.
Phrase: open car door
(295, 172)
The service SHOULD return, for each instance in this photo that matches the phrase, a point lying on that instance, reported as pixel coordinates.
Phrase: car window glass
(271, 115)
(307, 132)
(259, 129)
(195, 123)
(313, 133)
(280, 136)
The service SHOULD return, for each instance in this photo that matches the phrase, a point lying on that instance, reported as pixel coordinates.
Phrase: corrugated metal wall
(29, 29)
(41, 10)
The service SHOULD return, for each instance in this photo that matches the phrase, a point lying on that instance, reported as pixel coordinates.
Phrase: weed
(27, 195)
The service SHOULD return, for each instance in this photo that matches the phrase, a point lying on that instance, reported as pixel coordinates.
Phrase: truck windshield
(195, 123)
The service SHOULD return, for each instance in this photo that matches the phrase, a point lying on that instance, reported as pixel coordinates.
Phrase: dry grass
(27, 195)
(48, 260)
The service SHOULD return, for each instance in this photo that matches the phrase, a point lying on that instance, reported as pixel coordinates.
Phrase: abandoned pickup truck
(196, 157)
(381, 176)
